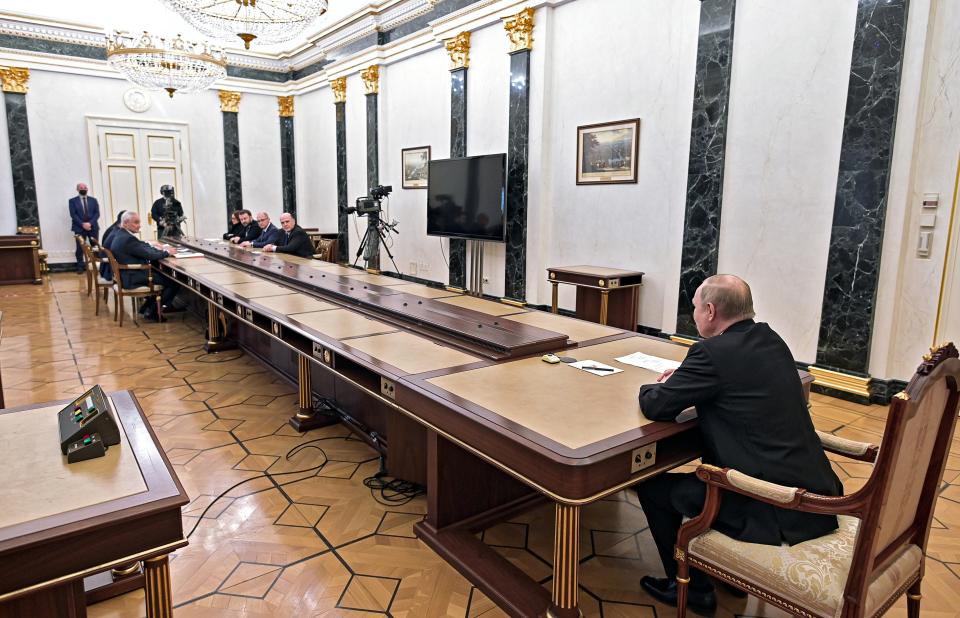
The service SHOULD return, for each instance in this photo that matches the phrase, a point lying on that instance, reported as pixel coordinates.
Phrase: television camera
(377, 230)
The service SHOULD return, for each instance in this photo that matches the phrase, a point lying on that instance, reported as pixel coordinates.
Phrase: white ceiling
(152, 15)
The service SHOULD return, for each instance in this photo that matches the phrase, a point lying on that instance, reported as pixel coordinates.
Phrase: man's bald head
(721, 300)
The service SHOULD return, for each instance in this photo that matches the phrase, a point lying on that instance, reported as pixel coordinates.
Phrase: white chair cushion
(142, 288)
(102, 281)
(812, 575)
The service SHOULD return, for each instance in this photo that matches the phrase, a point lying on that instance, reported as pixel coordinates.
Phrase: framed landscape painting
(607, 152)
(415, 162)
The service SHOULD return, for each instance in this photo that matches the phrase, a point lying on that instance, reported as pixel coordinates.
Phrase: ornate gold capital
(520, 30)
(229, 101)
(286, 106)
(14, 79)
(339, 87)
(371, 79)
(459, 49)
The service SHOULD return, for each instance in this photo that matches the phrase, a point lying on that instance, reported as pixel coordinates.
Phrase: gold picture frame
(608, 152)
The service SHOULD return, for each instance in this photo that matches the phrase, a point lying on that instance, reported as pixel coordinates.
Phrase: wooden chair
(35, 230)
(878, 551)
(325, 249)
(94, 280)
(119, 292)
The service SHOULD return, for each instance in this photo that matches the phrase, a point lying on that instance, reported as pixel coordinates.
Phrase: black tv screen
(467, 198)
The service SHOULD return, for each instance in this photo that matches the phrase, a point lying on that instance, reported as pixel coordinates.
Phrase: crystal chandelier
(270, 21)
(154, 62)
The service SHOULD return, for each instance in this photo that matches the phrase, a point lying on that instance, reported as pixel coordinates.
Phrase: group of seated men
(290, 238)
(127, 248)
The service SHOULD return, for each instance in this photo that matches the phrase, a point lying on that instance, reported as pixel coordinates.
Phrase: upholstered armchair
(877, 553)
(152, 289)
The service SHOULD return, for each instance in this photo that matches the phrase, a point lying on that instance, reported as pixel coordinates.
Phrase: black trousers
(92, 236)
(666, 499)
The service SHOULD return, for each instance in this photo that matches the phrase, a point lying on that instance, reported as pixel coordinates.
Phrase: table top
(595, 271)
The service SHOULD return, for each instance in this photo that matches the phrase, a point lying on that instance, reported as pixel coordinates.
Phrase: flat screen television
(467, 198)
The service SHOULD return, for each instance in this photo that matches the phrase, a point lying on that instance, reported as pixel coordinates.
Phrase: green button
(87, 441)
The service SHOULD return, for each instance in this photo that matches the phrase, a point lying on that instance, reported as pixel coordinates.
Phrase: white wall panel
(783, 151)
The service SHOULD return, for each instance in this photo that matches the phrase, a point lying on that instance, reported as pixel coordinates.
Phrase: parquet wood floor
(317, 543)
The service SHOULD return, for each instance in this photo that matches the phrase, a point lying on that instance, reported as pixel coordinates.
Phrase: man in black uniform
(293, 239)
(160, 207)
(752, 417)
(128, 249)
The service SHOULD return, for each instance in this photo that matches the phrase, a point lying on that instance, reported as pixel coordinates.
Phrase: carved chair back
(900, 496)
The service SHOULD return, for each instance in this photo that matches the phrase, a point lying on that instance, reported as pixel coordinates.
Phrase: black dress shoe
(664, 589)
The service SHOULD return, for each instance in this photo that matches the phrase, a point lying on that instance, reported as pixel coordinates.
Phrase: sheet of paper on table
(601, 369)
(646, 361)
(185, 253)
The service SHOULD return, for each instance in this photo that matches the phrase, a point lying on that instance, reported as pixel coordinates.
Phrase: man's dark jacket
(128, 249)
(296, 242)
(752, 417)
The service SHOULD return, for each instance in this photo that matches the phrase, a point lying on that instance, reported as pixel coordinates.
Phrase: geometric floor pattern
(316, 542)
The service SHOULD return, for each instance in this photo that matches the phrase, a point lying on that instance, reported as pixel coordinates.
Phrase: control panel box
(87, 426)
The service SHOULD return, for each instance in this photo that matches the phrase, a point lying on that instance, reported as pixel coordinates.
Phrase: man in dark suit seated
(249, 231)
(293, 239)
(128, 249)
(752, 414)
(269, 234)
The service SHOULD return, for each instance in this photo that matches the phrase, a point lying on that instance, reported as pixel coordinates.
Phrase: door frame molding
(95, 122)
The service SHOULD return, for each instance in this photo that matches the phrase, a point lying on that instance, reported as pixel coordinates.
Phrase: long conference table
(457, 393)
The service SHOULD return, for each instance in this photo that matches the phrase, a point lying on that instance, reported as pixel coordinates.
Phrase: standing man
(84, 219)
(293, 240)
(743, 382)
(159, 208)
(269, 234)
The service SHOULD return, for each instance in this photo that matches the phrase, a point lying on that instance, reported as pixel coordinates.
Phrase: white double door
(131, 161)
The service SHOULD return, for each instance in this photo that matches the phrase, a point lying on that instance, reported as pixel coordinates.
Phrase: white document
(187, 254)
(597, 369)
(645, 361)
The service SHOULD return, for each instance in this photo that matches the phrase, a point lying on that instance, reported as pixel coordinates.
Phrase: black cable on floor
(289, 454)
(393, 492)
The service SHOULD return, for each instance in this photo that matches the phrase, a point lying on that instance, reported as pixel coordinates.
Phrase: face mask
(83, 192)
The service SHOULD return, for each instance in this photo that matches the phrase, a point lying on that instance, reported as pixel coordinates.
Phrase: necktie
(83, 200)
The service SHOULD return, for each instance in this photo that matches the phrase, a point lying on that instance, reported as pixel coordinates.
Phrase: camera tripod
(370, 245)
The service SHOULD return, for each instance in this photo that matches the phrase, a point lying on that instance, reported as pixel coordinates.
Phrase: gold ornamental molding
(459, 49)
(682, 340)
(14, 79)
(229, 101)
(371, 79)
(339, 87)
(520, 30)
(840, 381)
(286, 106)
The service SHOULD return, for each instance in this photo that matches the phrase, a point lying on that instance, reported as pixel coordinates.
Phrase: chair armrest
(793, 498)
(861, 451)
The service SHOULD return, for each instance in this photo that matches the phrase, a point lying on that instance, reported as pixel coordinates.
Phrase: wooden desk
(62, 523)
(604, 295)
(456, 390)
(20, 256)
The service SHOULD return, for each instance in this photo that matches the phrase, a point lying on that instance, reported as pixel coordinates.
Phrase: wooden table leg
(216, 341)
(308, 416)
(553, 305)
(604, 306)
(157, 587)
(566, 563)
